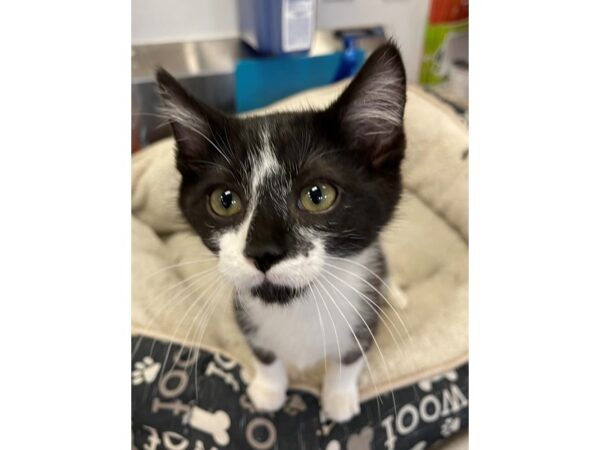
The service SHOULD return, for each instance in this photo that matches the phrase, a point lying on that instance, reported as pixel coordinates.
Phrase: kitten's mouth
(272, 293)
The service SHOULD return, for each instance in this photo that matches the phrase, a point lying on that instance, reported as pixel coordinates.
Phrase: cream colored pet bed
(180, 349)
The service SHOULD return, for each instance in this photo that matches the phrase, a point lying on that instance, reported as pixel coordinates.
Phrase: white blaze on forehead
(263, 164)
(232, 262)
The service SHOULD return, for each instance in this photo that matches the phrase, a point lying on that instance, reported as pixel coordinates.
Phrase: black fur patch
(242, 318)
(264, 356)
(271, 293)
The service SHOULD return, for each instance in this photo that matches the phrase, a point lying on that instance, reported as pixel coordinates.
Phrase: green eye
(318, 197)
(224, 202)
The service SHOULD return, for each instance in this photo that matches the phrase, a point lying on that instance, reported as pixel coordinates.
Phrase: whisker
(356, 263)
(206, 321)
(171, 302)
(365, 296)
(379, 401)
(203, 320)
(172, 266)
(180, 298)
(322, 328)
(194, 303)
(197, 316)
(387, 368)
(201, 310)
(373, 304)
(374, 288)
(337, 339)
(196, 276)
(204, 326)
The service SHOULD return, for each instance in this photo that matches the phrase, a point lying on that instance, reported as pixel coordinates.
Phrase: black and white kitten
(293, 203)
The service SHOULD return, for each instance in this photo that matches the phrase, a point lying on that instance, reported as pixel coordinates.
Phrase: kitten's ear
(370, 112)
(191, 121)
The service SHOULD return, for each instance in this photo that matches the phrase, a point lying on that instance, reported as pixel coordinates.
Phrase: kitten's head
(273, 196)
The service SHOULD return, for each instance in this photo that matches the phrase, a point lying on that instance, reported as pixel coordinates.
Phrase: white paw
(341, 405)
(265, 396)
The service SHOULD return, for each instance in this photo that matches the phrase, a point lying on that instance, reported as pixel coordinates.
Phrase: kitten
(293, 203)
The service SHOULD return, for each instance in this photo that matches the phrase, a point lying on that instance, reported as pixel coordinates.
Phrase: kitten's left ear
(370, 112)
(193, 123)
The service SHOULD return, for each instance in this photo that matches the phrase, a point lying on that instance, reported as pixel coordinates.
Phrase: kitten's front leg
(267, 390)
(339, 396)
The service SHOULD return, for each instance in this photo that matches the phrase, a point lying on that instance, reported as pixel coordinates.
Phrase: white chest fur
(317, 325)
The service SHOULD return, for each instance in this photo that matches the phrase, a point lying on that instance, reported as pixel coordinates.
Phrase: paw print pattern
(145, 371)
(361, 441)
(427, 384)
(450, 426)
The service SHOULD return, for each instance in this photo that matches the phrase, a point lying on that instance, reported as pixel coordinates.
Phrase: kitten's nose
(265, 258)
(266, 243)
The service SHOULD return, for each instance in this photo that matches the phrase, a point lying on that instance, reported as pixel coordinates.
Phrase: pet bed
(191, 365)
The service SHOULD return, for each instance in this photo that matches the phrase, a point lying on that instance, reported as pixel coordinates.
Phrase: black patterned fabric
(190, 399)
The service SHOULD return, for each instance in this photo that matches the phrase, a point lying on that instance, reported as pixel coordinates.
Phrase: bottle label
(297, 24)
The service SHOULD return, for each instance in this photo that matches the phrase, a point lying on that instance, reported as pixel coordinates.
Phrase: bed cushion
(419, 391)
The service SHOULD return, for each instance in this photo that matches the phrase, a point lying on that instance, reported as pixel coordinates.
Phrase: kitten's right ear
(370, 111)
(191, 121)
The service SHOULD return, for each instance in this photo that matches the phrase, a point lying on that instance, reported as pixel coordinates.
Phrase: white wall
(177, 20)
(404, 20)
(182, 20)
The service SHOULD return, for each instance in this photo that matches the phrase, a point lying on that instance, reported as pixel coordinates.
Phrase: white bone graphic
(214, 423)
(228, 378)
